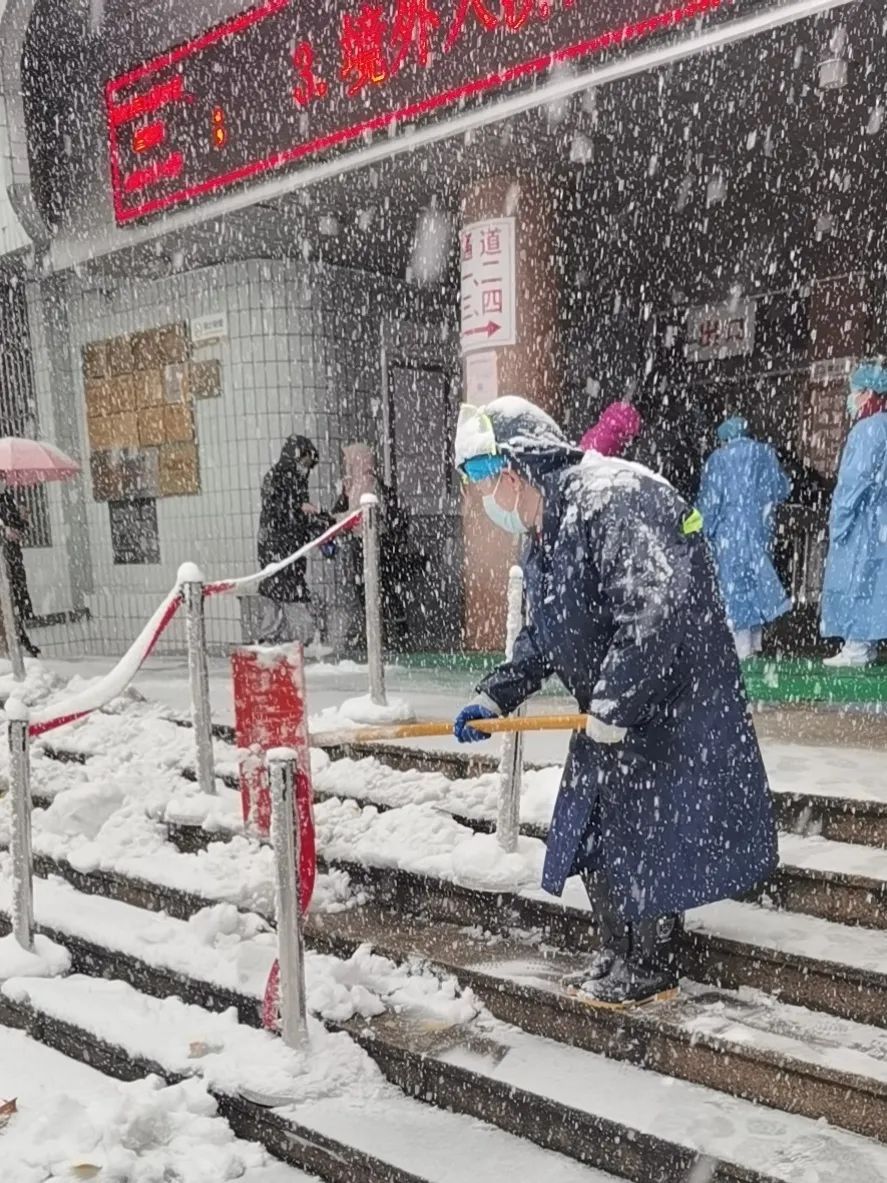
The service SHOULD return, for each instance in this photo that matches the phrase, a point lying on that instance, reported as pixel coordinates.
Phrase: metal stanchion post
(191, 581)
(18, 716)
(10, 626)
(290, 950)
(372, 586)
(511, 764)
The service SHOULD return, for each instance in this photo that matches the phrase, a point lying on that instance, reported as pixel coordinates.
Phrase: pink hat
(616, 428)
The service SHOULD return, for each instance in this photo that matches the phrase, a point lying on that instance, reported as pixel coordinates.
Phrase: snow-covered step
(225, 956)
(73, 1122)
(375, 816)
(806, 939)
(836, 881)
(833, 858)
(843, 970)
(832, 880)
(636, 1122)
(837, 793)
(331, 1105)
(747, 1044)
(743, 1042)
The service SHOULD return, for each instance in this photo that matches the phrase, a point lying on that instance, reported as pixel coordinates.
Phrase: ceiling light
(581, 149)
(716, 189)
(833, 74)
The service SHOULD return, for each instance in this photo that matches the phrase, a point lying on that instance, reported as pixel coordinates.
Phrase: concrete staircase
(771, 1066)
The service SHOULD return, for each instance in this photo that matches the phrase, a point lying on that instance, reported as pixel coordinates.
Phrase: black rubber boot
(648, 973)
(613, 934)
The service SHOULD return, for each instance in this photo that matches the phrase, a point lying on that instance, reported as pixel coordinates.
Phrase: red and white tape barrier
(115, 682)
(229, 585)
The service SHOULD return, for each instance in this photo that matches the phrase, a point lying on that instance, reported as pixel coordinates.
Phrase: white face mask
(508, 520)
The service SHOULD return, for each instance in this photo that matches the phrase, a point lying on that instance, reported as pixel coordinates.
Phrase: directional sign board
(489, 297)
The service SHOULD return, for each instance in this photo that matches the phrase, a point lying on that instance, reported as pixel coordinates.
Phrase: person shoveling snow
(664, 803)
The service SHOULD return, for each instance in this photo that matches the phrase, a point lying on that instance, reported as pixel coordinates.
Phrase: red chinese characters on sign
(413, 23)
(720, 331)
(374, 48)
(508, 14)
(309, 86)
(475, 8)
(363, 45)
(182, 125)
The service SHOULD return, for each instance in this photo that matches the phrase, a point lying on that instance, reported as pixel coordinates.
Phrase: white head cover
(523, 427)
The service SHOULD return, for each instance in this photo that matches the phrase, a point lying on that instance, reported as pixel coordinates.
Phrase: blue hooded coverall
(742, 484)
(854, 592)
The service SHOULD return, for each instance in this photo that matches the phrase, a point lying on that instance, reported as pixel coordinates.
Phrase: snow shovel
(443, 727)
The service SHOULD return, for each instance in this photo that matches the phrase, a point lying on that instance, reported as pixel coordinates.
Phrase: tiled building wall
(301, 355)
(52, 577)
(12, 149)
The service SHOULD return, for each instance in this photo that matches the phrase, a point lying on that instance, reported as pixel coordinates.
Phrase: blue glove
(328, 550)
(462, 728)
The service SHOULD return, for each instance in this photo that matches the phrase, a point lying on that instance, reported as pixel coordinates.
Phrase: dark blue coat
(624, 608)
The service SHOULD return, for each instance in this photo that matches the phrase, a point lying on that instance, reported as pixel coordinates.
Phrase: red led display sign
(293, 79)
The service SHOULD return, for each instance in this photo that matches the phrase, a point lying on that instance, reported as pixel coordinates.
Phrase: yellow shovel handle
(445, 727)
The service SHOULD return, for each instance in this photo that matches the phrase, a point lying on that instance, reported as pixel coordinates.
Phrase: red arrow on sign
(489, 329)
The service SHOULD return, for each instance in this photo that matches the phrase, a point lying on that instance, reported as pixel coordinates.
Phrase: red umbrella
(30, 462)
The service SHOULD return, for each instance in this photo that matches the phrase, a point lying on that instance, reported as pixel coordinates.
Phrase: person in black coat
(14, 522)
(287, 521)
(664, 803)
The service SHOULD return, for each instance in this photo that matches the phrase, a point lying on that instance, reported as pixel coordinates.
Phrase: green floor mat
(788, 680)
(767, 679)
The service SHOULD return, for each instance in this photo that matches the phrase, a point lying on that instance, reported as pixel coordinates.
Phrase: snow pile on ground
(361, 711)
(230, 949)
(38, 685)
(46, 960)
(334, 892)
(195, 1042)
(220, 812)
(70, 1122)
(143, 728)
(368, 984)
(475, 797)
(482, 864)
(331, 669)
(424, 841)
(233, 949)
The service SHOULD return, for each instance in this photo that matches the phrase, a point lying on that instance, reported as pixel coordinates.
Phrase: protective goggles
(481, 468)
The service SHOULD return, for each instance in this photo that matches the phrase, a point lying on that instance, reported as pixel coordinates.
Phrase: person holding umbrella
(14, 521)
(22, 462)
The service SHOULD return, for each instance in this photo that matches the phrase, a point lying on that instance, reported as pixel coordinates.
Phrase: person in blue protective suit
(664, 803)
(854, 592)
(742, 484)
